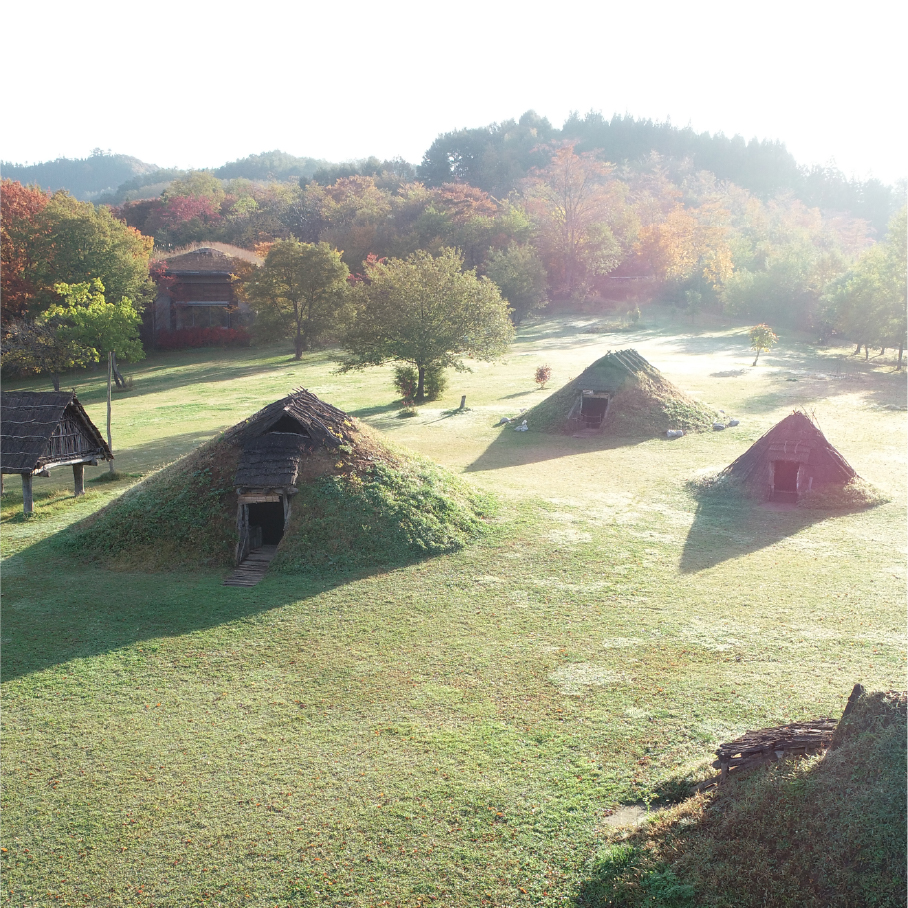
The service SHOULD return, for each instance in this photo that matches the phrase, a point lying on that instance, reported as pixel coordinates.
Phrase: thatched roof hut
(300, 482)
(621, 392)
(274, 442)
(40, 430)
(792, 458)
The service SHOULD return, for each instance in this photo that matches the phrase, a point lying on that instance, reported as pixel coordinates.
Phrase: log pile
(769, 745)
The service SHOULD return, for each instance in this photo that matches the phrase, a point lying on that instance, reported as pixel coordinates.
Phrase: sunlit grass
(455, 729)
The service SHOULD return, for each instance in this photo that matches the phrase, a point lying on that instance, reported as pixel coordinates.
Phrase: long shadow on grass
(518, 449)
(728, 526)
(56, 609)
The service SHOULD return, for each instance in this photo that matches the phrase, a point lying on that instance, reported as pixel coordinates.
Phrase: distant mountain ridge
(85, 178)
(114, 178)
(497, 157)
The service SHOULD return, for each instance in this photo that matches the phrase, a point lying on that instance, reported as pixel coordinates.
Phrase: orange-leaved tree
(574, 206)
(19, 209)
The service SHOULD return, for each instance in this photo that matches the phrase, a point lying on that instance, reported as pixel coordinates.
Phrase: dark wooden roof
(796, 438)
(40, 428)
(270, 462)
(275, 439)
(204, 260)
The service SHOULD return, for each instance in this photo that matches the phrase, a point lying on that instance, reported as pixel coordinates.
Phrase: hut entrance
(593, 407)
(785, 480)
(268, 516)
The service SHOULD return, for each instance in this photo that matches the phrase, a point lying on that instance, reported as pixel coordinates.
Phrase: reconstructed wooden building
(792, 458)
(274, 442)
(40, 430)
(199, 290)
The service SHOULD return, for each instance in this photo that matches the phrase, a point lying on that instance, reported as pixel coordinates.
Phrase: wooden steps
(253, 568)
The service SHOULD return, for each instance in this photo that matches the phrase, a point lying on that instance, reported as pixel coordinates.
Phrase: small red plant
(543, 375)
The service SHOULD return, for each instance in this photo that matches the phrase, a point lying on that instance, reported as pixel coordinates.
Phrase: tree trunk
(420, 395)
(901, 351)
(298, 354)
(857, 350)
(882, 351)
(56, 380)
(756, 358)
(866, 352)
(118, 376)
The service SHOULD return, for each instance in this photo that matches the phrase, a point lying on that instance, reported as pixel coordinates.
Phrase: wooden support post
(109, 378)
(79, 478)
(28, 504)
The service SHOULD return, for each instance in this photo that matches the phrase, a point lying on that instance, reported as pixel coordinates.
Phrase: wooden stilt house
(792, 458)
(42, 430)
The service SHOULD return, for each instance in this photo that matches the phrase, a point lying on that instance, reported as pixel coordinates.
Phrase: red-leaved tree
(19, 209)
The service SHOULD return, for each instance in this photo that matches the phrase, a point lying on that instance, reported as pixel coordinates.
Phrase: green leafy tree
(78, 242)
(427, 312)
(35, 347)
(85, 318)
(762, 338)
(867, 304)
(520, 275)
(300, 291)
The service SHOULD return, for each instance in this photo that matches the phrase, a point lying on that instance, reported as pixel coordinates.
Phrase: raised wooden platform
(253, 568)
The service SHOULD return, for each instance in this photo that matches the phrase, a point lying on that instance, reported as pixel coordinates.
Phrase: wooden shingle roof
(41, 428)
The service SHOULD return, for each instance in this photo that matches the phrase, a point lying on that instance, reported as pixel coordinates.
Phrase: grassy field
(455, 731)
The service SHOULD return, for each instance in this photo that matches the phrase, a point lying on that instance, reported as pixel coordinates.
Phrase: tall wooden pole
(109, 379)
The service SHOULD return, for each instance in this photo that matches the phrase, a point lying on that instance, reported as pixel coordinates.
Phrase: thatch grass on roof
(236, 251)
(644, 401)
(362, 505)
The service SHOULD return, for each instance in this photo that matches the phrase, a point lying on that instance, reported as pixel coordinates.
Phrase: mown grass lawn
(451, 732)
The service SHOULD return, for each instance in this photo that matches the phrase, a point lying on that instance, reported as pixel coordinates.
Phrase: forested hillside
(85, 178)
(496, 157)
(605, 214)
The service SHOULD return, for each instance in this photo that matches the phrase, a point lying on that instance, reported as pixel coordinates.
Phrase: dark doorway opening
(269, 515)
(289, 425)
(592, 411)
(785, 479)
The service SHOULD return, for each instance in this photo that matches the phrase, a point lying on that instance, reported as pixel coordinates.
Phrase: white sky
(195, 84)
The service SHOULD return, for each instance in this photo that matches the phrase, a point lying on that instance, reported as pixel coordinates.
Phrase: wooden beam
(257, 499)
(79, 479)
(28, 504)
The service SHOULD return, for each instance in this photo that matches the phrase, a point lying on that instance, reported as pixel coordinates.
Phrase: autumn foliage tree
(573, 203)
(20, 208)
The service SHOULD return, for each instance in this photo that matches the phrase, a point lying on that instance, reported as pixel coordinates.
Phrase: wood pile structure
(792, 458)
(770, 745)
(40, 430)
(799, 739)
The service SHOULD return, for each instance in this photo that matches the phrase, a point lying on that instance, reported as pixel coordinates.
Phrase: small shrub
(406, 379)
(634, 315)
(543, 375)
(202, 337)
